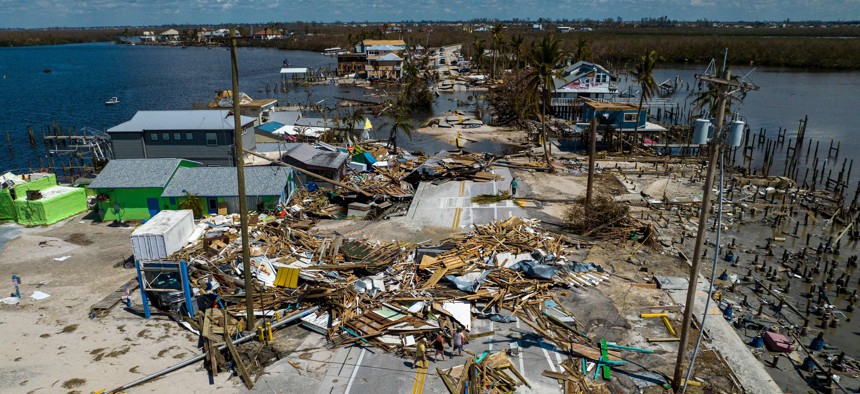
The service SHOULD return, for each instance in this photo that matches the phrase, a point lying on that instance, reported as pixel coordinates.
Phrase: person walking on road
(439, 346)
(459, 340)
(420, 354)
(514, 185)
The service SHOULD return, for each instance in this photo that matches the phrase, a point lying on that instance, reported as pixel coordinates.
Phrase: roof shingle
(223, 182)
(135, 173)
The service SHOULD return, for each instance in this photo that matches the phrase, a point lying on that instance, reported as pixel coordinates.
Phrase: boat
(286, 63)
(112, 101)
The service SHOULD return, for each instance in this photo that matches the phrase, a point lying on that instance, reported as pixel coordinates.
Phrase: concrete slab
(750, 372)
(450, 204)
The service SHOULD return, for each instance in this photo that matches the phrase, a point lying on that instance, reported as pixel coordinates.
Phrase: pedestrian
(420, 354)
(439, 346)
(514, 186)
(459, 340)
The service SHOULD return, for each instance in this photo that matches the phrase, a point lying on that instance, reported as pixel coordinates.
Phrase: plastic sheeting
(469, 282)
(534, 270)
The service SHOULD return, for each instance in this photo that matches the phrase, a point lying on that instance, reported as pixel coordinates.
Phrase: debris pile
(485, 373)
(389, 295)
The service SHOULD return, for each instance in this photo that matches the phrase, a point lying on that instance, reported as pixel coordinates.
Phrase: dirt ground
(53, 346)
(484, 133)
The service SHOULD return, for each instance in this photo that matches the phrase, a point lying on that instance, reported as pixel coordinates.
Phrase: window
(211, 139)
(189, 136)
(165, 136)
(630, 117)
(172, 200)
(153, 136)
(177, 136)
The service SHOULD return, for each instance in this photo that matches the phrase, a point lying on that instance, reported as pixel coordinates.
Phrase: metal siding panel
(127, 146)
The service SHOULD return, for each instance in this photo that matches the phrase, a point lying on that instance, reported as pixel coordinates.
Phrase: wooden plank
(437, 276)
(236, 358)
(557, 375)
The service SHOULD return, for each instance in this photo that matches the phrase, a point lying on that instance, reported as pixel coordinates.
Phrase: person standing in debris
(459, 340)
(420, 354)
(439, 346)
(514, 186)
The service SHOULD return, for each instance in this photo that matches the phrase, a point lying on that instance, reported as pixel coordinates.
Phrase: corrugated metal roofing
(223, 182)
(189, 120)
(135, 173)
(311, 156)
(288, 118)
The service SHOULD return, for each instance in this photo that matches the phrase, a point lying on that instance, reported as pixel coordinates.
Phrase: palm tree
(643, 74)
(193, 203)
(478, 59)
(705, 101)
(498, 34)
(399, 119)
(517, 48)
(350, 121)
(582, 51)
(543, 58)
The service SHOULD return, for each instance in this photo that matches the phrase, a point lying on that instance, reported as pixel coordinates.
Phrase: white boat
(112, 101)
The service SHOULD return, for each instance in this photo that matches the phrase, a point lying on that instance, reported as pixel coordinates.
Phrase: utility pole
(238, 154)
(727, 88)
(592, 137)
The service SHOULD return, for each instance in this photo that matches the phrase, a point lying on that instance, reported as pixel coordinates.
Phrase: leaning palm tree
(543, 58)
(643, 74)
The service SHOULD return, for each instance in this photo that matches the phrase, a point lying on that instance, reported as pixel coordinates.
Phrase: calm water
(151, 78)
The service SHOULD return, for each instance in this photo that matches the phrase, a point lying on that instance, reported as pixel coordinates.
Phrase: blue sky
(77, 13)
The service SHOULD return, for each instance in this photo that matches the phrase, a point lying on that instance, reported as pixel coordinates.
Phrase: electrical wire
(713, 277)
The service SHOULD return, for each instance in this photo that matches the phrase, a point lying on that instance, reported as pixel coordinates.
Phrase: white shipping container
(161, 236)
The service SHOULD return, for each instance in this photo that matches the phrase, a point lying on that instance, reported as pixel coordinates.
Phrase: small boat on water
(112, 101)
(286, 63)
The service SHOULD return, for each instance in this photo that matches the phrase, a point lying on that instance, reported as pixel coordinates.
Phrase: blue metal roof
(190, 120)
(271, 127)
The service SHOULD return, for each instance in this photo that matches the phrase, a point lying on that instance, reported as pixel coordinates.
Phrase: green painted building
(49, 205)
(217, 188)
(130, 189)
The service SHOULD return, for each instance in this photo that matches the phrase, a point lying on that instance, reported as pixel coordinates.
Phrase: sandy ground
(53, 346)
(504, 135)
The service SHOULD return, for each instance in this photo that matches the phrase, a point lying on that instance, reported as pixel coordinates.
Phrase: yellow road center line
(420, 376)
(423, 379)
(456, 223)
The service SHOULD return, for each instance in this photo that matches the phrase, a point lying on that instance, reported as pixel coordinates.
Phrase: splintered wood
(390, 295)
(492, 373)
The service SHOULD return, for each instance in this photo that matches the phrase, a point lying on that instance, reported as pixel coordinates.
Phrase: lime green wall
(7, 205)
(51, 210)
(132, 203)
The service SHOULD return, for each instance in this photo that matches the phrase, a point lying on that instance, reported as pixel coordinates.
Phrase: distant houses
(374, 59)
(580, 82)
(204, 136)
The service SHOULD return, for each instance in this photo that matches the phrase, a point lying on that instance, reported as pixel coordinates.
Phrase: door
(212, 206)
(152, 205)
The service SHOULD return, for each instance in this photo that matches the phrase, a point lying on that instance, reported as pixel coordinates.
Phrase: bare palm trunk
(546, 153)
(636, 126)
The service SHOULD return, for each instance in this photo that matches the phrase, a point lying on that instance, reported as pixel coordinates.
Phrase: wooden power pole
(238, 155)
(727, 88)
